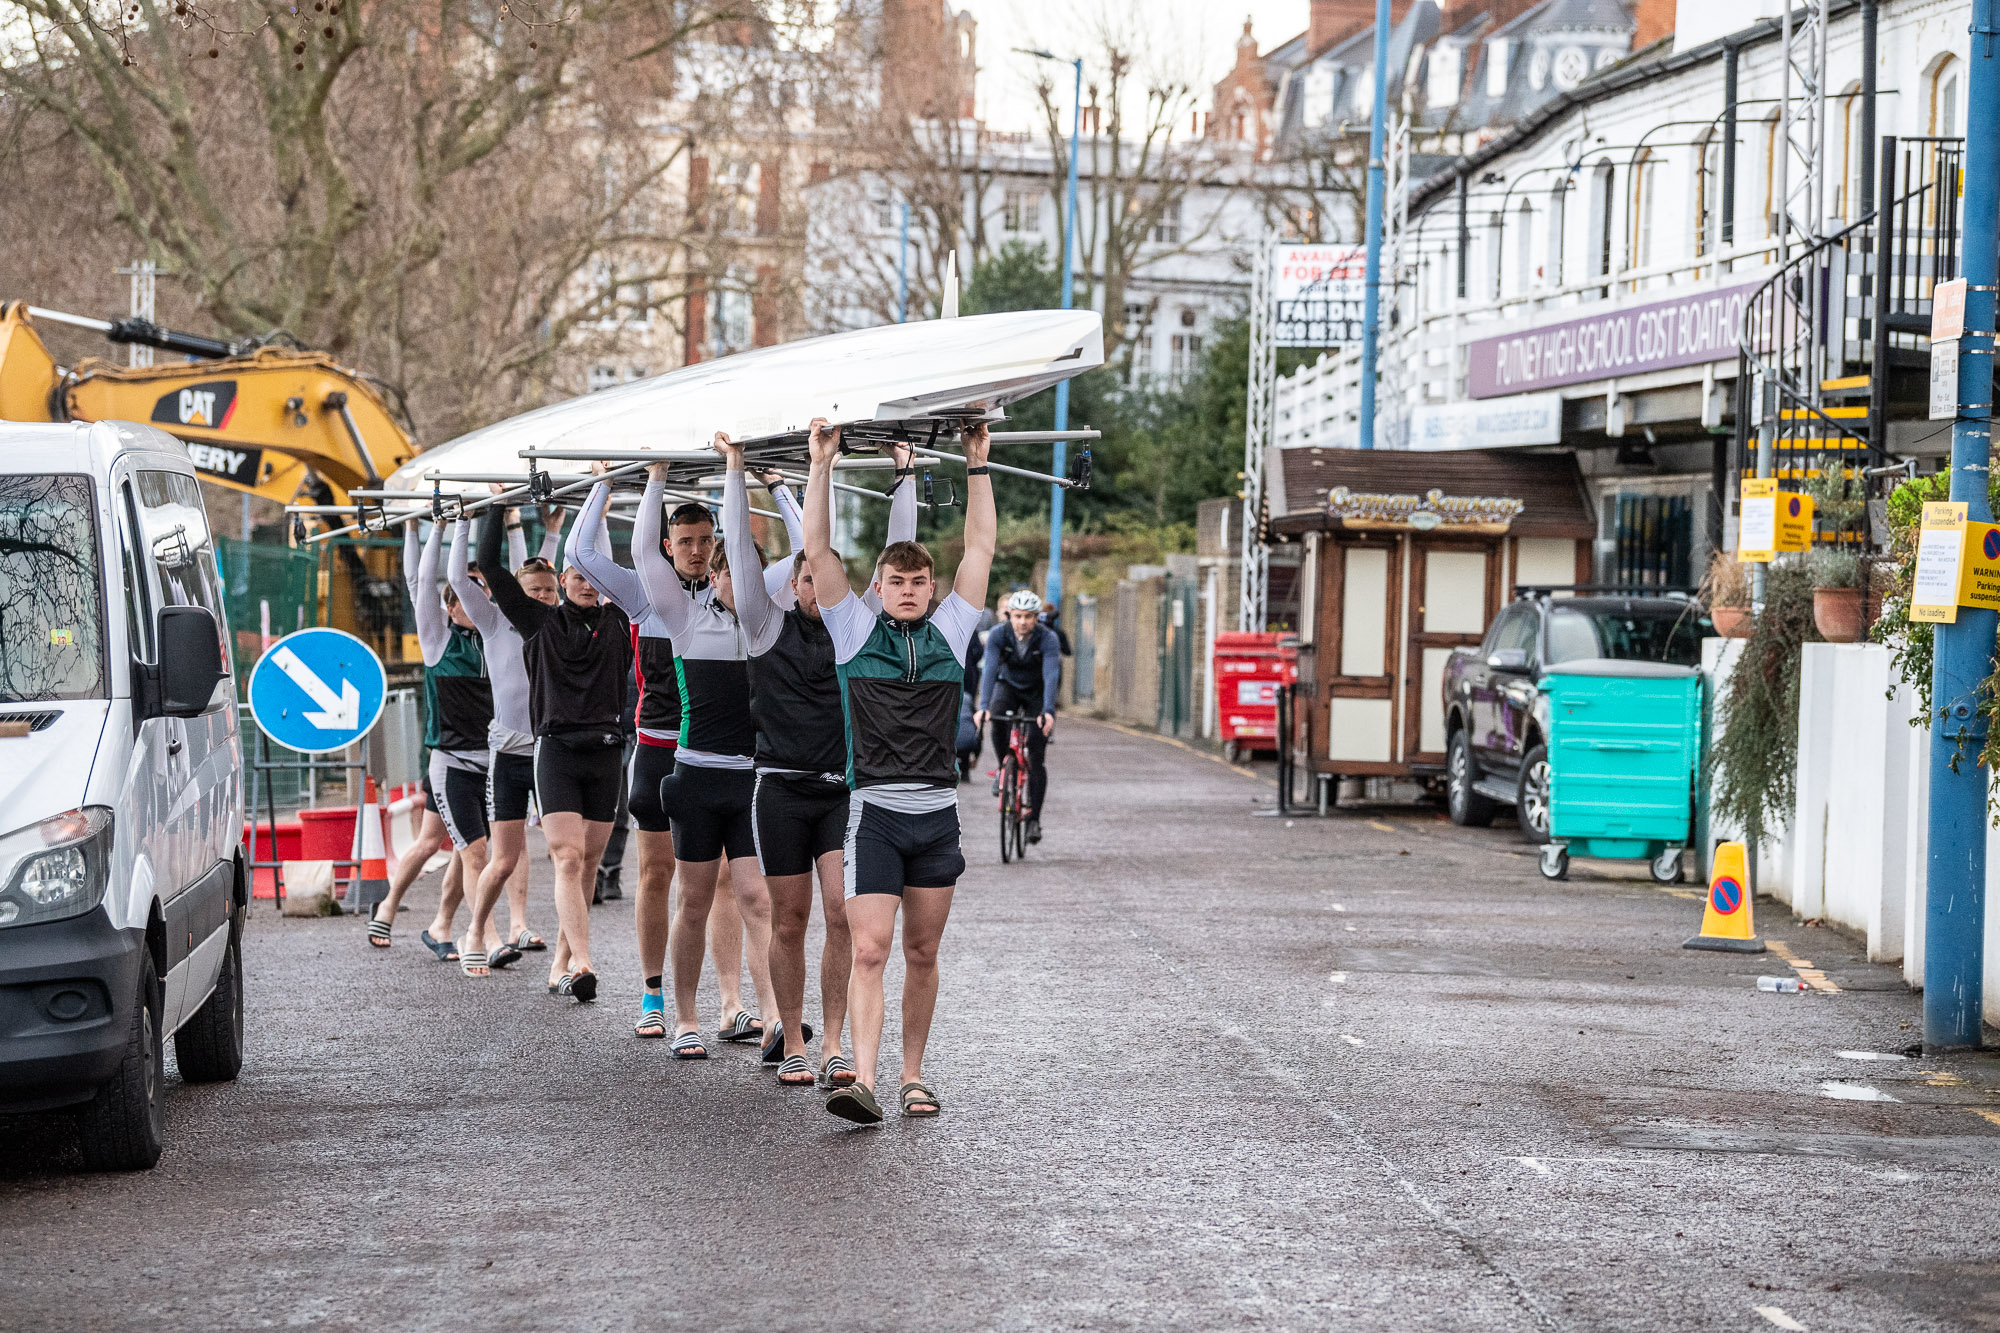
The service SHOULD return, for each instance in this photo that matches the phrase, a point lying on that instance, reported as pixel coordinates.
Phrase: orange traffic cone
(371, 885)
(1725, 920)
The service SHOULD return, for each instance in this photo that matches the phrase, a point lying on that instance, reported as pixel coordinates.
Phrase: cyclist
(1023, 669)
(800, 802)
(901, 671)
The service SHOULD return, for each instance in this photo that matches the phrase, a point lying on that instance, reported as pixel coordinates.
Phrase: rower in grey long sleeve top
(511, 732)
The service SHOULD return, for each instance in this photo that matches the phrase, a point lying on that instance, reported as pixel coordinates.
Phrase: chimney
(1655, 19)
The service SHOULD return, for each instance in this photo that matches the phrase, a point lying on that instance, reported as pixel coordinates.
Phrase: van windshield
(51, 603)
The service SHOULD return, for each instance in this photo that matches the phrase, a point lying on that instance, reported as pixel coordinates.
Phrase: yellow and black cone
(1725, 919)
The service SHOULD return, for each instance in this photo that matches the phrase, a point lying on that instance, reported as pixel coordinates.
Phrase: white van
(122, 879)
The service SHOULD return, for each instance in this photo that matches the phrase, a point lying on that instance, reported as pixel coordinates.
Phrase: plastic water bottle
(1782, 985)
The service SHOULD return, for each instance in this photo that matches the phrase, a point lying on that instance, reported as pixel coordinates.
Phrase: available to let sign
(1318, 295)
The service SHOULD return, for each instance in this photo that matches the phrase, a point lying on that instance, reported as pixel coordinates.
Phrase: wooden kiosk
(1408, 555)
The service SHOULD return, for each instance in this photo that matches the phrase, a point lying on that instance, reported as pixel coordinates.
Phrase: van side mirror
(190, 660)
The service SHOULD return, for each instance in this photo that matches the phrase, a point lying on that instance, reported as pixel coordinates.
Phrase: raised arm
(664, 593)
(517, 540)
(433, 625)
(590, 552)
(755, 610)
(830, 583)
(778, 574)
(523, 612)
(982, 525)
(902, 513)
(479, 608)
(552, 537)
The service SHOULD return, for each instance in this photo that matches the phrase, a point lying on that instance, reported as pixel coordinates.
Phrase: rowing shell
(902, 378)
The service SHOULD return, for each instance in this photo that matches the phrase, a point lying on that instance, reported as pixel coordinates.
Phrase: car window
(1639, 634)
(1572, 636)
(1516, 630)
(174, 526)
(51, 595)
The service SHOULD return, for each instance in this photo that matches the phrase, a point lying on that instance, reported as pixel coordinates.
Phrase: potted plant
(1839, 584)
(1726, 590)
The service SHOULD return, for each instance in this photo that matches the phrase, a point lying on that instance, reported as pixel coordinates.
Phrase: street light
(1061, 467)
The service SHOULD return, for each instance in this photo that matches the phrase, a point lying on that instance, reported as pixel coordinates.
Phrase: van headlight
(56, 868)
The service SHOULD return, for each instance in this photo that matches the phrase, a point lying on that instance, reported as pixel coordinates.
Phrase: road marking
(1347, 928)
(1352, 1041)
(1812, 976)
(1337, 978)
(1869, 1055)
(1854, 1092)
(1534, 1164)
(1984, 1114)
(1337, 907)
(1378, 824)
(1780, 1318)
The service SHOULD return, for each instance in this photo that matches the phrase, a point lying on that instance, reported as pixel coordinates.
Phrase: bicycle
(1014, 768)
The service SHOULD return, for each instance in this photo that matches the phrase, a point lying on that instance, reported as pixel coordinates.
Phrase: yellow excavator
(269, 418)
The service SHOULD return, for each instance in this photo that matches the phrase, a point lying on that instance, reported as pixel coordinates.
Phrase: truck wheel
(124, 1126)
(1467, 808)
(1531, 803)
(209, 1047)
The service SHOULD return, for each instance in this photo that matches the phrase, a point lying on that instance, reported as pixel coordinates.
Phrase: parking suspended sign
(1318, 295)
(317, 690)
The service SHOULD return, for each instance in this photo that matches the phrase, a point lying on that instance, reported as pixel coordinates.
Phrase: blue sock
(652, 1003)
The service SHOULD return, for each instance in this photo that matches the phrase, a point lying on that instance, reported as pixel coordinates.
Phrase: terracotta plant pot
(1838, 613)
(1732, 622)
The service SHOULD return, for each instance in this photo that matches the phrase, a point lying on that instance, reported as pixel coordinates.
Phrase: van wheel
(1532, 806)
(123, 1127)
(209, 1047)
(1467, 808)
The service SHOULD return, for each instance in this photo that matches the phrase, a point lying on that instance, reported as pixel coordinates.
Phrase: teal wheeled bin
(1624, 741)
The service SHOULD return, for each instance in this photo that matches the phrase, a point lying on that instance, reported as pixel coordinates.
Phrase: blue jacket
(1021, 665)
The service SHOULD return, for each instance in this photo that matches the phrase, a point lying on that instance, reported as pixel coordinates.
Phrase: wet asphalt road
(1202, 1069)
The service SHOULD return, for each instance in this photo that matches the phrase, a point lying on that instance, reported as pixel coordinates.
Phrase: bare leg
(517, 899)
(836, 957)
(725, 945)
(452, 895)
(871, 921)
(753, 903)
(690, 923)
(506, 847)
(574, 846)
(430, 837)
(476, 940)
(791, 913)
(653, 910)
(924, 913)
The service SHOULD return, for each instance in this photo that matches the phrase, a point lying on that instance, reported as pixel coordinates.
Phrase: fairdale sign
(1629, 340)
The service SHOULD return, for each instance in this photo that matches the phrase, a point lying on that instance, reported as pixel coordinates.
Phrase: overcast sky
(1194, 40)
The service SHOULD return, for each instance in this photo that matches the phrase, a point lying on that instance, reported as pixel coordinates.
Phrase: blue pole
(903, 271)
(1955, 905)
(1062, 390)
(1371, 315)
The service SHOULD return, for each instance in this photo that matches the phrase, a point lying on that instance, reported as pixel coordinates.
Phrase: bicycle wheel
(1010, 812)
(1020, 804)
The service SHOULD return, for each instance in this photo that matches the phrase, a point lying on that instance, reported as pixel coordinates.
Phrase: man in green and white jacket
(901, 671)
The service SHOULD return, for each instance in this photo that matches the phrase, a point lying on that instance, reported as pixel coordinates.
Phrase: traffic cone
(1725, 920)
(371, 884)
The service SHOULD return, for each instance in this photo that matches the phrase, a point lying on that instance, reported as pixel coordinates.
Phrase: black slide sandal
(856, 1103)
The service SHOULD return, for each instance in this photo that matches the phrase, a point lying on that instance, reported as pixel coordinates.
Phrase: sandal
(838, 1071)
(503, 955)
(529, 942)
(652, 1017)
(795, 1072)
(579, 986)
(738, 1027)
(774, 1046)
(917, 1095)
(688, 1046)
(473, 963)
(856, 1103)
(378, 933)
(446, 951)
(560, 985)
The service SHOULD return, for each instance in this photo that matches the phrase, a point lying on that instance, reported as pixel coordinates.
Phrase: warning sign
(1979, 569)
(1934, 585)
(1772, 521)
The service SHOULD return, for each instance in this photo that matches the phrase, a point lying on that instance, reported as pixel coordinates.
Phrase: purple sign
(1618, 340)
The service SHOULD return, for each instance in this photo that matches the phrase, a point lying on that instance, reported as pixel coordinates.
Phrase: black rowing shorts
(651, 765)
(510, 780)
(888, 850)
(797, 820)
(710, 810)
(463, 807)
(579, 773)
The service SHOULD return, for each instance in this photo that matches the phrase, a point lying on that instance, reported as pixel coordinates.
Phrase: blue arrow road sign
(317, 690)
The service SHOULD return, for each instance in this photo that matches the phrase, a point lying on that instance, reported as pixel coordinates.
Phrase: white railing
(1320, 404)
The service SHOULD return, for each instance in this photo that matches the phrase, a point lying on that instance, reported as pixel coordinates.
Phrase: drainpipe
(1729, 58)
(1955, 906)
(1464, 234)
(1868, 17)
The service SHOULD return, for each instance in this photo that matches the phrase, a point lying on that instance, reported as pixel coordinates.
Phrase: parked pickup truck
(1495, 712)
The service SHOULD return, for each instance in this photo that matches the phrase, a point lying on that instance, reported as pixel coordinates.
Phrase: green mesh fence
(269, 590)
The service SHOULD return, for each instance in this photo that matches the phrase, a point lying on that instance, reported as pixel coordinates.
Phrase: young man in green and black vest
(901, 672)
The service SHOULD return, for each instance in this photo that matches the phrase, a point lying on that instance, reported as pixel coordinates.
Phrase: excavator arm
(255, 419)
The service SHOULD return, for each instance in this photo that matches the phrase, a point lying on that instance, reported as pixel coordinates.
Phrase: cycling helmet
(1024, 600)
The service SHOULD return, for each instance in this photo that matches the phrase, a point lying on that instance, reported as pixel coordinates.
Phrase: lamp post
(1061, 448)
(1372, 314)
